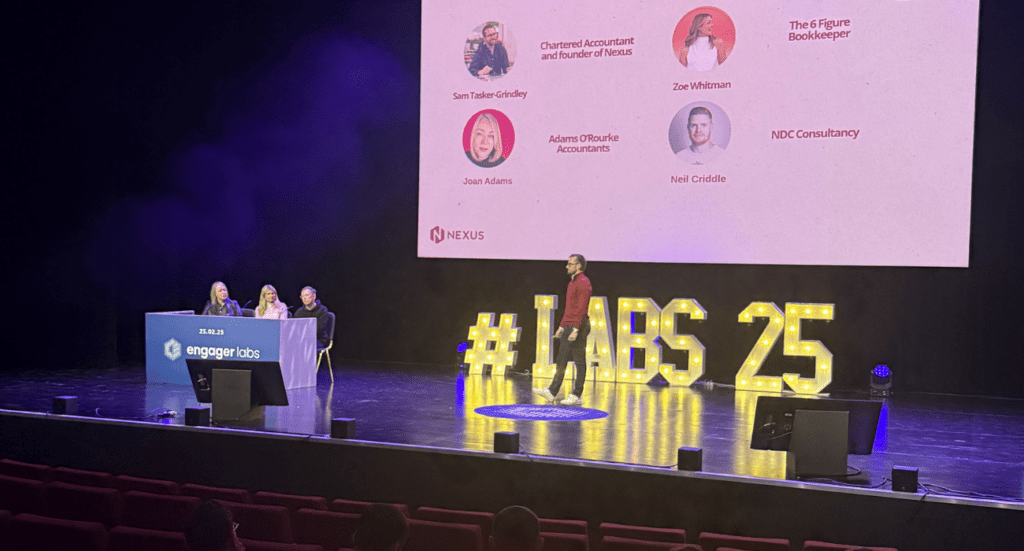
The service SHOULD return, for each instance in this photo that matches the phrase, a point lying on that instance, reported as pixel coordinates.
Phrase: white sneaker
(544, 393)
(571, 400)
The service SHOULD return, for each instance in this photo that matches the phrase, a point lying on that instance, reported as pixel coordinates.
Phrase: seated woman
(270, 307)
(219, 303)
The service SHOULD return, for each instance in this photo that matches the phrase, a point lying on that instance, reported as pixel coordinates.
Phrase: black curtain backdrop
(152, 150)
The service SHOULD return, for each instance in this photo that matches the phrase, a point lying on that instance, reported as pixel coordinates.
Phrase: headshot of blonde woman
(485, 142)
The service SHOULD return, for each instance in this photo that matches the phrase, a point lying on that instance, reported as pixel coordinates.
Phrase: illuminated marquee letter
(499, 356)
(645, 340)
(600, 347)
(796, 347)
(747, 377)
(695, 369)
(544, 366)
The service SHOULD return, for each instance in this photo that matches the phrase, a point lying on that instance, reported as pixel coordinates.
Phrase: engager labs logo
(172, 349)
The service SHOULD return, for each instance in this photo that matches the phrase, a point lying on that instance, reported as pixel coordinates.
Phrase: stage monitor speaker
(506, 442)
(343, 427)
(197, 417)
(904, 479)
(690, 459)
(818, 446)
(65, 405)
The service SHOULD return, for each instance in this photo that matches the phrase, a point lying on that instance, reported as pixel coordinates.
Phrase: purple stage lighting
(881, 381)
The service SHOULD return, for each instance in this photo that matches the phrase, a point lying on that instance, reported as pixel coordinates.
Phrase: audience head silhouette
(381, 528)
(516, 528)
(211, 529)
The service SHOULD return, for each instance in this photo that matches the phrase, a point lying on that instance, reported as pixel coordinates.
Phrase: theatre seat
(20, 495)
(74, 502)
(158, 512)
(615, 543)
(82, 478)
(39, 533)
(670, 535)
(5, 527)
(149, 485)
(425, 535)
(31, 471)
(564, 542)
(711, 542)
(206, 493)
(327, 529)
(558, 526)
(255, 545)
(357, 507)
(261, 522)
(811, 545)
(126, 538)
(291, 502)
(481, 519)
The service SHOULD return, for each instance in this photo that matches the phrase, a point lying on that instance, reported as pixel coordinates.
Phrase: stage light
(65, 405)
(506, 442)
(343, 427)
(881, 381)
(460, 353)
(197, 417)
(904, 479)
(690, 459)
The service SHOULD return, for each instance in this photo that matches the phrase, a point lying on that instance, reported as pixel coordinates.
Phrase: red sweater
(577, 301)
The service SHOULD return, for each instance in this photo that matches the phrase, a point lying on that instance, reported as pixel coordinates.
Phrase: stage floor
(965, 447)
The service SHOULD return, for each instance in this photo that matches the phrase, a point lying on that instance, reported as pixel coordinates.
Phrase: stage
(967, 448)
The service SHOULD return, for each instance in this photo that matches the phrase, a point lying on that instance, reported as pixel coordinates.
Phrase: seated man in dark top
(311, 308)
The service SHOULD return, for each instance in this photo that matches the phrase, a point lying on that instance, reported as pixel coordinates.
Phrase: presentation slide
(799, 132)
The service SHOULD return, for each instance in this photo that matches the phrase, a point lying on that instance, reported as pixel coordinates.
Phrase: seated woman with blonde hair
(270, 307)
(219, 303)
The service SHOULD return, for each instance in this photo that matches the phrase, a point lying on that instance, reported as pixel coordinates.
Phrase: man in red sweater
(572, 333)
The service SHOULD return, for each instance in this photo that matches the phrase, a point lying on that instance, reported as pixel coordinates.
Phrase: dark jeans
(579, 357)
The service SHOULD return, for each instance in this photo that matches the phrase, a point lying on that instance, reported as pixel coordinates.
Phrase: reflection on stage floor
(967, 444)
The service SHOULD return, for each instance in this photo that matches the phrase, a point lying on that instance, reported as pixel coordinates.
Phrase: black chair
(321, 352)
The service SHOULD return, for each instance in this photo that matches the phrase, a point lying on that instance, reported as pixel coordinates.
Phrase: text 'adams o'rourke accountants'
(589, 143)
(586, 49)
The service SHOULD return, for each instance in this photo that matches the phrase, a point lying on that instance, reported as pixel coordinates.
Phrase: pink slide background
(897, 195)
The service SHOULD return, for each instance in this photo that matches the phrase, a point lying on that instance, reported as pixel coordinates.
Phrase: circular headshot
(699, 133)
(703, 38)
(490, 51)
(488, 138)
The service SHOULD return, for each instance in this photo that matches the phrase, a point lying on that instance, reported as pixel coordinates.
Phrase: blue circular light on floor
(529, 412)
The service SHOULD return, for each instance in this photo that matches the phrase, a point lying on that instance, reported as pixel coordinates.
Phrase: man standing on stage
(572, 332)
